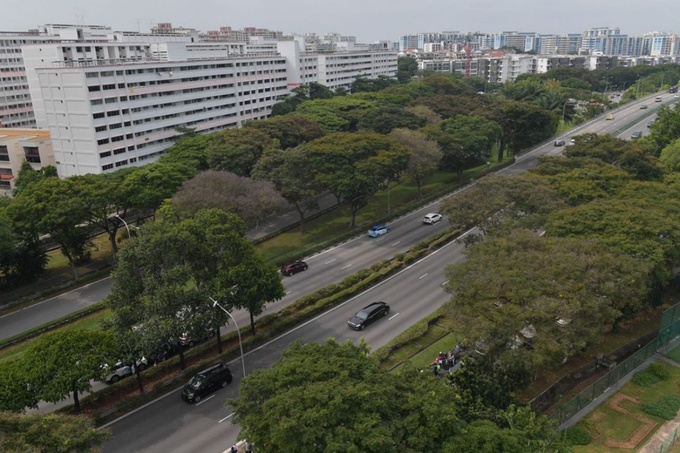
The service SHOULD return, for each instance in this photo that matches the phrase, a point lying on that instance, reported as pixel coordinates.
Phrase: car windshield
(362, 315)
(195, 383)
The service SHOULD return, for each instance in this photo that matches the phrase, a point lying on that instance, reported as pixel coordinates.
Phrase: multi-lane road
(170, 425)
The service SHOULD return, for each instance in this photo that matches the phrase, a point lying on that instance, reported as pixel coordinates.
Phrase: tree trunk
(252, 323)
(140, 383)
(302, 217)
(219, 340)
(419, 184)
(182, 362)
(74, 269)
(76, 401)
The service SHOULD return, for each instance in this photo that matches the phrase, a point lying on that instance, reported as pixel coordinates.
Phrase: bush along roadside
(124, 396)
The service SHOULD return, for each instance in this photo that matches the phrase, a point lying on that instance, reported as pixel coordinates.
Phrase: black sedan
(294, 268)
(368, 314)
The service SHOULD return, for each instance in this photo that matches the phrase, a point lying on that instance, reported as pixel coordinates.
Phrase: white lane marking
(422, 276)
(346, 266)
(396, 243)
(445, 283)
(288, 292)
(329, 262)
(393, 316)
(203, 401)
(227, 417)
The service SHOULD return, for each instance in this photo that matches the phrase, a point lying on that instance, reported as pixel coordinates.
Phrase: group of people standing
(446, 360)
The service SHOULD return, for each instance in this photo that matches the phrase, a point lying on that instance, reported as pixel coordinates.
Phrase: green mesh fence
(669, 442)
(669, 328)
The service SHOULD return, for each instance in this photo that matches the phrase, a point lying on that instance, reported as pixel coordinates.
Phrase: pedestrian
(436, 368)
(234, 449)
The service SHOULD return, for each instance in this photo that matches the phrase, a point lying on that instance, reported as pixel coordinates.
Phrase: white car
(432, 218)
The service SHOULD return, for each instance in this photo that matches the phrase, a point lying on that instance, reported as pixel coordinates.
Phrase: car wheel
(305, 268)
(141, 367)
(224, 383)
(386, 312)
(197, 398)
(361, 327)
(190, 344)
(115, 378)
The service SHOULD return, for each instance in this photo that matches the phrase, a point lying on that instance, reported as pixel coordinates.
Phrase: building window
(105, 154)
(107, 167)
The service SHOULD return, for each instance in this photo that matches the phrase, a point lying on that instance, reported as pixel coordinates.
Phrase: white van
(658, 99)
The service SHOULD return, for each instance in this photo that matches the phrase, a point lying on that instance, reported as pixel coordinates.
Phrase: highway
(170, 425)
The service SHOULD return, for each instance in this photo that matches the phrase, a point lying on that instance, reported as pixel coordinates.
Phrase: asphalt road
(170, 425)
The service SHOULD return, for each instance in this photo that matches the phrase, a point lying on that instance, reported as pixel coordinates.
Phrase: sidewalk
(278, 222)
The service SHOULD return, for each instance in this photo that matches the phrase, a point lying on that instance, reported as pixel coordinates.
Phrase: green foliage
(653, 374)
(52, 433)
(407, 67)
(670, 157)
(28, 176)
(577, 436)
(238, 150)
(665, 407)
(289, 130)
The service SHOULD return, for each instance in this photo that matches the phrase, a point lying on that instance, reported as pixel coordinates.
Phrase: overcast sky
(368, 20)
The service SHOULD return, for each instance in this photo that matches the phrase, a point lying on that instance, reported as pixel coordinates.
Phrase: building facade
(22, 145)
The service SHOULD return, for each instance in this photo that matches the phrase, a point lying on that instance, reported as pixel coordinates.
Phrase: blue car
(378, 230)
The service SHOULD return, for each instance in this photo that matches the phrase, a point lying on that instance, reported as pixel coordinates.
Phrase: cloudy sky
(368, 20)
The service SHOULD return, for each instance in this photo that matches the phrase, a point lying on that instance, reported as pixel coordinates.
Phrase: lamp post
(240, 344)
(124, 223)
(564, 108)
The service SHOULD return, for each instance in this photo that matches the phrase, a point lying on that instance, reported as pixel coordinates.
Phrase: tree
(189, 151)
(238, 150)
(64, 362)
(21, 261)
(465, 141)
(512, 290)
(627, 155)
(162, 296)
(407, 67)
(148, 186)
(670, 157)
(250, 199)
(355, 166)
(28, 175)
(498, 204)
(290, 173)
(425, 155)
(290, 130)
(340, 114)
(52, 206)
(104, 201)
(389, 117)
(52, 433)
(364, 84)
(16, 393)
(333, 397)
(522, 125)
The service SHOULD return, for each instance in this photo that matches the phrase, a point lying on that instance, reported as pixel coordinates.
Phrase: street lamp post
(564, 108)
(240, 344)
(124, 223)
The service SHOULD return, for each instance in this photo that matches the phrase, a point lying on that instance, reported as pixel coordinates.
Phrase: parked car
(636, 134)
(293, 268)
(658, 99)
(120, 370)
(378, 230)
(609, 117)
(650, 123)
(559, 142)
(572, 141)
(432, 218)
(368, 314)
(643, 106)
(206, 382)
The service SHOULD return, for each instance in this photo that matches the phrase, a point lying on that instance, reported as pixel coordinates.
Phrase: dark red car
(294, 268)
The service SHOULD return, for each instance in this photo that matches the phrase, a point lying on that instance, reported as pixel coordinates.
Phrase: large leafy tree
(52, 433)
(52, 206)
(340, 114)
(355, 166)
(62, 363)
(290, 130)
(250, 199)
(465, 141)
(425, 157)
(407, 67)
(512, 291)
(16, 392)
(28, 175)
(523, 124)
(670, 157)
(629, 156)
(334, 397)
(238, 150)
(161, 296)
(290, 173)
(148, 186)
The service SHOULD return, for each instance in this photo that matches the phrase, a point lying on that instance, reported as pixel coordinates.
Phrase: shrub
(650, 376)
(577, 435)
(666, 407)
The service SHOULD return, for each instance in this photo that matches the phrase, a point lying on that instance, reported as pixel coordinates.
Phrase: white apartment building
(112, 106)
(22, 145)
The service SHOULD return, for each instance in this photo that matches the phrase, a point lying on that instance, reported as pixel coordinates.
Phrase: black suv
(293, 268)
(206, 382)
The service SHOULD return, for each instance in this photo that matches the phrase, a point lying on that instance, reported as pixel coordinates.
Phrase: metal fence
(669, 328)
